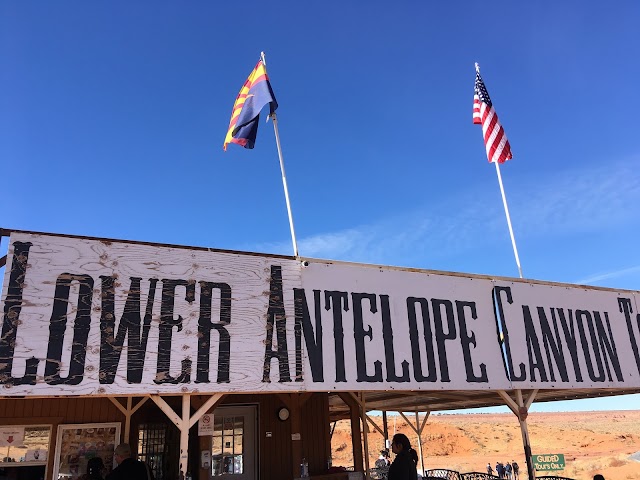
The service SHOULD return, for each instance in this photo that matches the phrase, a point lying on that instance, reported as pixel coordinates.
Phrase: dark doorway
(158, 447)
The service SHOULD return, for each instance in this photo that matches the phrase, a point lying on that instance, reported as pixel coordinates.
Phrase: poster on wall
(11, 436)
(20, 444)
(77, 444)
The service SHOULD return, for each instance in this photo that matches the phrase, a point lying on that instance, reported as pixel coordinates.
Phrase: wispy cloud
(563, 203)
(598, 277)
(580, 200)
(370, 243)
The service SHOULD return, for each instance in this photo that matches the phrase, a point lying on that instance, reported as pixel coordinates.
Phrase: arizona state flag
(254, 95)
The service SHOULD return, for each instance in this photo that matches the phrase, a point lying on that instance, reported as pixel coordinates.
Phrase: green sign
(548, 462)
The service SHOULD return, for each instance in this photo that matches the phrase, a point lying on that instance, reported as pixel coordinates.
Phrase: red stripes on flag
(495, 138)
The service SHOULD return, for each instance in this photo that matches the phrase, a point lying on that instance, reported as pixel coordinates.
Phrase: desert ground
(592, 442)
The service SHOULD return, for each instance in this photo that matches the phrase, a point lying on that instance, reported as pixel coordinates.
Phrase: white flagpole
(284, 176)
(506, 211)
(506, 208)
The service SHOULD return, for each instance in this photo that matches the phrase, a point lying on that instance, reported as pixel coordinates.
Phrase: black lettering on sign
(387, 336)
(130, 326)
(11, 320)
(608, 346)
(625, 307)
(204, 332)
(338, 301)
(536, 361)
(57, 327)
(165, 331)
(600, 345)
(276, 318)
(359, 334)
(552, 342)
(498, 311)
(582, 317)
(441, 335)
(572, 340)
(431, 375)
(466, 340)
(313, 342)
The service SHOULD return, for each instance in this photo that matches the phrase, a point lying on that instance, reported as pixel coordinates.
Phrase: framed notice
(23, 445)
(205, 425)
(77, 444)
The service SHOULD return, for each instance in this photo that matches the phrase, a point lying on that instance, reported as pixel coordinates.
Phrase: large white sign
(98, 317)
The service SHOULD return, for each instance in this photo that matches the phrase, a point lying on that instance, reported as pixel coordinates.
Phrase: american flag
(495, 140)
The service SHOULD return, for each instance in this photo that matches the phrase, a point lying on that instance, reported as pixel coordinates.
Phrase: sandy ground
(592, 442)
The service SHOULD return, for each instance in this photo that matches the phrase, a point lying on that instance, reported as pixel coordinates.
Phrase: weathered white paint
(249, 276)
(574, 299)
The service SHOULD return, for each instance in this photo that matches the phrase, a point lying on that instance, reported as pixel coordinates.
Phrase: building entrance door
(233, 443)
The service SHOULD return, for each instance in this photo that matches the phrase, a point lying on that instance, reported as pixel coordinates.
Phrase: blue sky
(113, 115)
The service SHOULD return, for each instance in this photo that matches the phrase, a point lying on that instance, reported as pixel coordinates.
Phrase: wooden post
(521, 410)
(356, 436)
(184, 436)
(418, 429)
(127, 412)
(420, 443)
(184, 423)
(385, 427)
(365, 433)
(127, 422)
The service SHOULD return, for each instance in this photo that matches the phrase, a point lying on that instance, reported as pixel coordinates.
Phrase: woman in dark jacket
(94, 469)
(404, 465)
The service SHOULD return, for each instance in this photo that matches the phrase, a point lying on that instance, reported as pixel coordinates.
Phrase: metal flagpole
(284, 176)
(506, 211)
(490, 144)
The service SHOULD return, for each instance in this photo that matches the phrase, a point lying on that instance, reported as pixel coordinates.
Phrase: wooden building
(213, 363)
(246, 429)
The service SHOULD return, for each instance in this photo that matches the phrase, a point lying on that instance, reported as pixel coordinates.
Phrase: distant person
(516, 469)
(95, 466)
(508, 471)
(598, 477)
(500, 470)
(128, 468)
(382, 464)
(489, 469)
(404, 465)
(383, 460)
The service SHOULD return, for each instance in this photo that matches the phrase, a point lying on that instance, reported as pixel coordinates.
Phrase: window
(227, 445)
(24, 450)
(158, 447)
(24, 445)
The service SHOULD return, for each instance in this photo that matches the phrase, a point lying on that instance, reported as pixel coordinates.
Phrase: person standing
(404, 465)
(95, 466)
(516, 469)
(382, 464)
(128, 468)
(383, 459)
(508, 470)
(489, 469)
